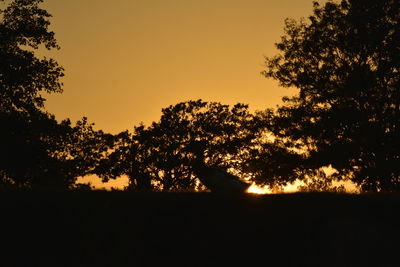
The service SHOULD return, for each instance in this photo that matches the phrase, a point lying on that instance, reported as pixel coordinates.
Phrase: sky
(125, 60)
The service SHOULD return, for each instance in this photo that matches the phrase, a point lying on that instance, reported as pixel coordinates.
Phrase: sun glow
(255, 189)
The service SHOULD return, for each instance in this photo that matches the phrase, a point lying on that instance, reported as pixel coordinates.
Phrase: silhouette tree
(78, 149)
(160, 157)
(23, 29)
(345, 61)
(36, 150)
(117, 162)
(321, 183)
(215, 179)
(39, 152)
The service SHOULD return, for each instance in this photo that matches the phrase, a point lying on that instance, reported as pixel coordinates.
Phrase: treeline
(344, 61)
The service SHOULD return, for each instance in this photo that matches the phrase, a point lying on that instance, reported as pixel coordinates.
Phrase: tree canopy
(24, 76)
(345, 61)
(36, 149)
(160, 156)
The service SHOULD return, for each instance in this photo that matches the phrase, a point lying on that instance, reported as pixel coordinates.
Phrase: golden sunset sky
(127, 59)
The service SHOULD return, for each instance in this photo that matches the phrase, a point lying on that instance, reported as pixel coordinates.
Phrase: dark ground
(188, 229)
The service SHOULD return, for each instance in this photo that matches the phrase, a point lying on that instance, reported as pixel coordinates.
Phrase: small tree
(345, 61)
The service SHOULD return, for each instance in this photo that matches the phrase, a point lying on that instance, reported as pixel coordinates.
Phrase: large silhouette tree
(36, 150)
(160, 157)
(227, 132)
(345, 61)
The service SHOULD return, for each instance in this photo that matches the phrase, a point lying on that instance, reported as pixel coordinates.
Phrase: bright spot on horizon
(255, 189)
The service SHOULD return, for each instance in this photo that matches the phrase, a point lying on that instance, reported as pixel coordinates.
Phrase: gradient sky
(127, 59)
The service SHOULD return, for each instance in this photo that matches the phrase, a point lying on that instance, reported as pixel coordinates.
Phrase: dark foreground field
(133, 229)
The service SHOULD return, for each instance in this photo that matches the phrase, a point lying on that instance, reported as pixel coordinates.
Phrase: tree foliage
(345, 61)
(159, 156)
(39, 152)
(24, 76)
(36, 150)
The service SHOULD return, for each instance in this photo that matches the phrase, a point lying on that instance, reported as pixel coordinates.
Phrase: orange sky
(127, 59)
